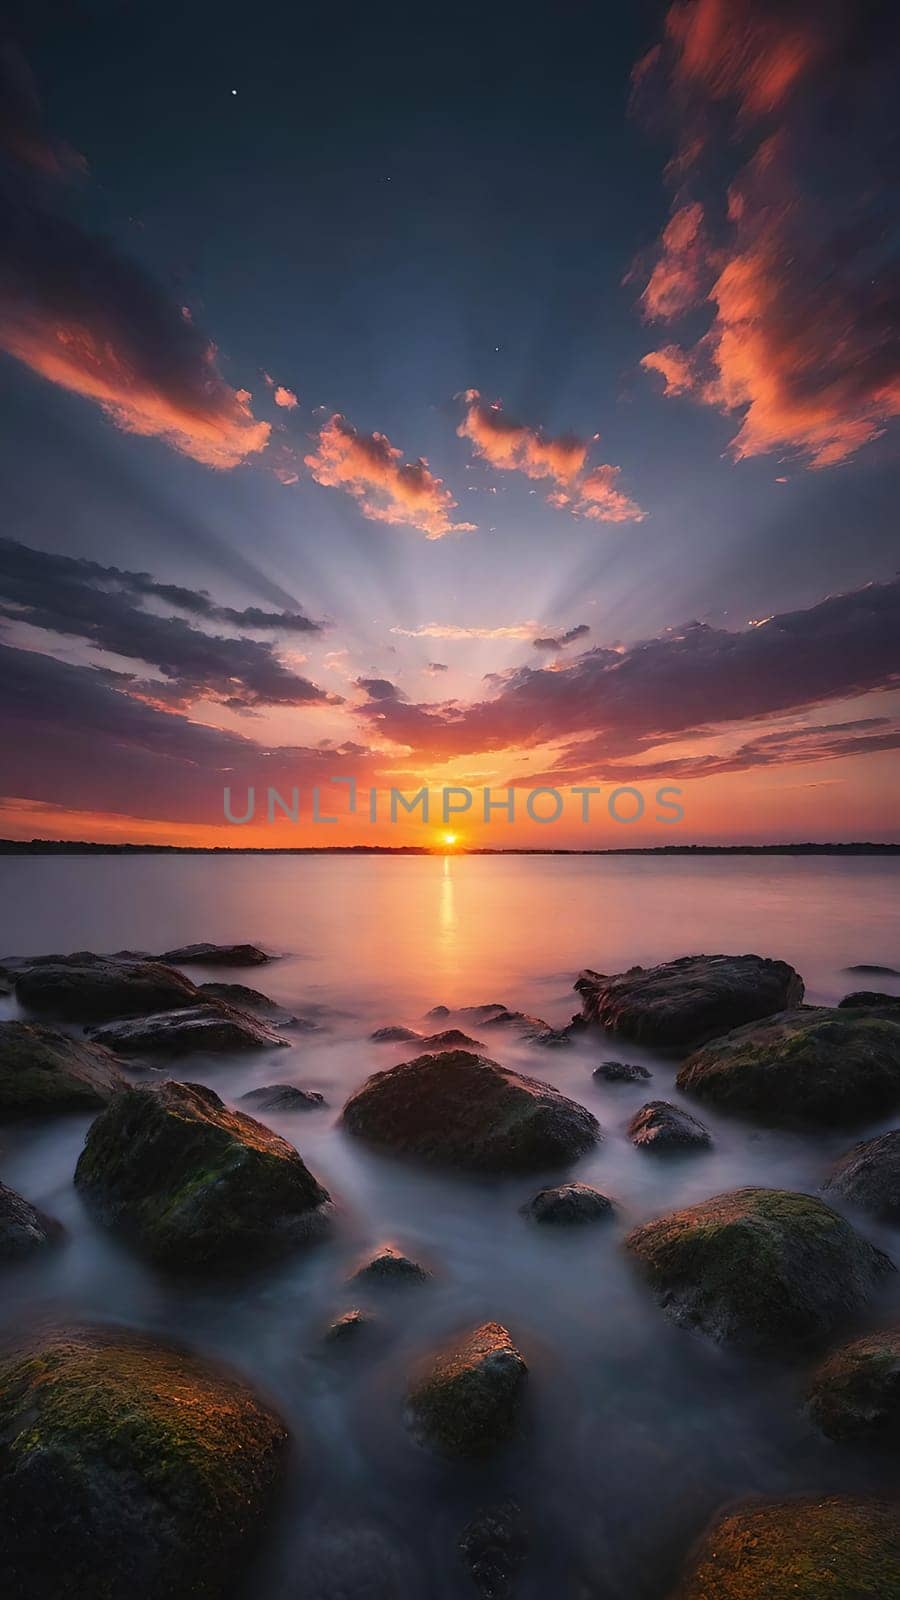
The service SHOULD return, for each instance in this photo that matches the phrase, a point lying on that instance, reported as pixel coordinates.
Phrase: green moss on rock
(855, 1393)
(467, 1399)
(763, 1268)
(828, 1549)
(43, 1071)
(127, 1468)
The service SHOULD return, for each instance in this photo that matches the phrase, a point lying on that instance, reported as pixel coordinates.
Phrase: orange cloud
(452, 630)
(677, 281)
(388, 489)
(514, 447)
(285, 398)
(742, 50)
(599, 499)
(673, 366)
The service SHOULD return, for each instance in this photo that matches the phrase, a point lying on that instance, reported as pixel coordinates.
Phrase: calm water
(637, 1431)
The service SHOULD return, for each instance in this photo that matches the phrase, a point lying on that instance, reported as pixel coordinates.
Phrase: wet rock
(437, 1014)
(483, 1013)
(247, 999)
(874, 971)
(350, 1328)
(43, 1072)
(394, 1035)
(834, 1548)
(762, 1268)
(814, 1065)
(660, 1126)
(24, 1230)
(128, 1469)
(89, 988)
(467, 1399)
(389, 1266)
(194, 1185)
(869, 1176)
(215, 1028)
(282, 1097)
(449, 1039)
(869, 1000)
(568, 1205)
(855, 1393)
(620, 1072)
(216, 955)
(462, 1110)
(494, 1547)
(686, 1002)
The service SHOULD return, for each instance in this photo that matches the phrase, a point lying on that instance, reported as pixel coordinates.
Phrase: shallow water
(637, 1432)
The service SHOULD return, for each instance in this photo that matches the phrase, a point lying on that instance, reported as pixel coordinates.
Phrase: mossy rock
(568, 1205)
(855, 1393)
(827, 1549)
(467, 1399)
(461, 1110)
(869, 1176)
(195, 1186)
(814, 1065)
(762, 1268)
(127, 1468)
(213, 1027)
(662, 1128)
(24, 1230)
(684, 1002)
(43, 1072)
(89, 988)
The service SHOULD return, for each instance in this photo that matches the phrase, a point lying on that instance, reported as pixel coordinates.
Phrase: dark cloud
(580, 631)
(380, 689)
(435, 668)
(24, 137)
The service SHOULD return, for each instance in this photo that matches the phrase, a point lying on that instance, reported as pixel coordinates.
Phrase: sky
(493, 399)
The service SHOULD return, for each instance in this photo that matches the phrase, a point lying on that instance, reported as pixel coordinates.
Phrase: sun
(449, 839)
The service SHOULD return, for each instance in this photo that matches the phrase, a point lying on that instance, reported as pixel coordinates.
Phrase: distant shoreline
(66, 847)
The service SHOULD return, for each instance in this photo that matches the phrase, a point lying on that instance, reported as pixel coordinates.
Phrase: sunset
(449, 840)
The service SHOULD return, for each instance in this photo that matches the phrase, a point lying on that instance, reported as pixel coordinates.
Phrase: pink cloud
(372, 470)
(285, 398)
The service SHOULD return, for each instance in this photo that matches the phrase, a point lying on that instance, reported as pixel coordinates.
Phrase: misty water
(636, 1431)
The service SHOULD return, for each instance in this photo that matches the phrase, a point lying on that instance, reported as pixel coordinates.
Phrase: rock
(128, 1469)
(762, 1268)
(660, 1126)
(494, 1547)
(874, 971)
(394, 1035)
(449, 1039)
(42, 1071)
(855, 1393)
(247, 999)
(620, 1072)
(553, 1038)
(570, 1203)
(869, 1000)
(89, 988)
(283, 1097)
(686, 1002)
(350, 1327)
(217, 1028)
(437, 1014)
(216, 955)
(813, 1065)
(869, 1176)
(24, 1230)
(462, 1110)
(467, 1400)
(483, 1013)
(194, 1185)
(824, 1549)
(390, 1266)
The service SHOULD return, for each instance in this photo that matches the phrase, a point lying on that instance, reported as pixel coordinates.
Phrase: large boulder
(282, 1097)
(462, 1110)
(686, 1002)
(467, 1398)
(215, 1027)
(216, 955)
(812, 1065)
(869, 1000)
(568, 1205)
(24, 1230)
(661, 1127)
(855, 1393)
(128, 1468)
(194, 1185)
(43, 1071)
(762, 1268)
(89, 988)
(869, 1176)
(824, 1549)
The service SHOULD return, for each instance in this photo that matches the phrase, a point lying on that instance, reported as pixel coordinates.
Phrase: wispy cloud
(454, 630)
(387, 488)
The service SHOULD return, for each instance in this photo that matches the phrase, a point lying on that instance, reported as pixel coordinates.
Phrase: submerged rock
(216, 955)
(688, 1001)
(89, 988)
(494, 1547)
(568, 1205)
(194, 1185)
(763, 1268)
(437, 1014)
(283, 1097)
(874, 971)
(128, 1469)
(855, 1393)
(812, 1065)
(176, 1033)
(824, 1549)
(394, 1035)
(462, 1110)
(620, 1072)
(42, 1071)
(24, 1230)
(247, 999)
(389, 1266)
(350, 1328)
(869, 1000)
(467, 1400)
(660, 1126)
(869, 1176)
(449, 1039)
